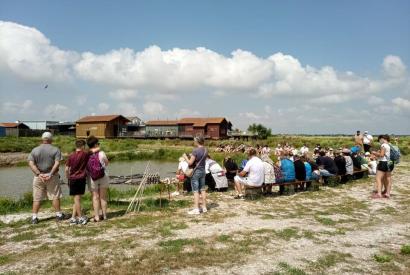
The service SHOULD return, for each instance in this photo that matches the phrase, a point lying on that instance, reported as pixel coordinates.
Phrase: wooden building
(106, 126)
(211, 127)
(14, 129)
(161, 129)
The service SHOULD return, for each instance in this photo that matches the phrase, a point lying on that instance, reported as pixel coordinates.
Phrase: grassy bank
(116, 200)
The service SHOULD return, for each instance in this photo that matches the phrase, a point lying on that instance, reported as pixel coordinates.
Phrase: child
(75, 171)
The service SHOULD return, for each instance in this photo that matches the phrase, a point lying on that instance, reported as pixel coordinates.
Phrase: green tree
(260, 130)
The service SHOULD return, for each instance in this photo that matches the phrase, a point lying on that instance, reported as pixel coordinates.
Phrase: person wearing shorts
(198, 160)
(384, 168)
(75, 171)
(100, 186)
(44, 161)
(255, 171)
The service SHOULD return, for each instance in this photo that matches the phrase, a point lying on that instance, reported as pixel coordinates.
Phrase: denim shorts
(198, 180)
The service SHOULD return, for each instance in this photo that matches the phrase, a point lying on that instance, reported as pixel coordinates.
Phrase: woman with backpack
(384, 168)
(98, 178)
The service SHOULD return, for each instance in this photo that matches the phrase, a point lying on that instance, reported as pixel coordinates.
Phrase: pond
(15, 181)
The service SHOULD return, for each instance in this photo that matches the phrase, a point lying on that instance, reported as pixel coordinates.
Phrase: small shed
(14, 129)
(104, 126)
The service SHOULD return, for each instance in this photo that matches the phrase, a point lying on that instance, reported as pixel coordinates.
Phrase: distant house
(211, 127)
(134, 128)
(14, 129)
(161, 128)
(39, 124)
(106, 126)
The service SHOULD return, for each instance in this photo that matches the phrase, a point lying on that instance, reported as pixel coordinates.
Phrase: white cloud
(185, 112)
(394, 67)
(401, 103)
(27, 53)
(57, 111)
(127, 109)
(81, 100)
(14, 108)
(153, 108)
(374, 100)
(123, 94)
(103, 107)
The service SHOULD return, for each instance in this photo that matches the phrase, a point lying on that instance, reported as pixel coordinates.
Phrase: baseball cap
(47, 136)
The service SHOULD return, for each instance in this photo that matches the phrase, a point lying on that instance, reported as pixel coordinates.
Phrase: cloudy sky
(297, 67)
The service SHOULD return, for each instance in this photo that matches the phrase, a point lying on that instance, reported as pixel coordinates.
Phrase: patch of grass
(166, 228)
(287, 234)
(224, 238)
(290, 270)
(325, 220)
(176, 246)
(405, 249)
(26, 236)
(4, 259)
(382, 258)
(328, 260)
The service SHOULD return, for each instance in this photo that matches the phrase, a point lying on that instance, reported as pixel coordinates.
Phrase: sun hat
(367, 154)
(46, 136)
(346, 151)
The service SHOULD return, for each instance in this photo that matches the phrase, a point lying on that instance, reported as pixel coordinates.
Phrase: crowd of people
(197, 171)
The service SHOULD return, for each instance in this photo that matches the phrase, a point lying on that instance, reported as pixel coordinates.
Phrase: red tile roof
(10, 124)
(105, 118)
(201, 122)
(161, 122)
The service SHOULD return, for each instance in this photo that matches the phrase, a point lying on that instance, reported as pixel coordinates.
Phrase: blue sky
(299, 61)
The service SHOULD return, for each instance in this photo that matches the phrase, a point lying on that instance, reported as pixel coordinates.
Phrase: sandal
(94, 220)
(386, 196)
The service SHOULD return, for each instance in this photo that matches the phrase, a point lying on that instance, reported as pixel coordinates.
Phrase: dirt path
(337, 230)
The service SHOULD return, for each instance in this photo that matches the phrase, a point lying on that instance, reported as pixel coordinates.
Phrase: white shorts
(245, 181)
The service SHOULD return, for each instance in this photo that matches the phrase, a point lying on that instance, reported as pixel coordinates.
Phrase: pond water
(15, 181)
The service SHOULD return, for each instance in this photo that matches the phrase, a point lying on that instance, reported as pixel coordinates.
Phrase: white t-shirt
(183, 166)
(367, 139)
(304, 150)
(256, 171)
(207, 162)
(372, 167)
(103, 159)
(386, 156)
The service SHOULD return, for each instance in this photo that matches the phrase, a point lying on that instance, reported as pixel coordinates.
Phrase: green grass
(290, 270)
(382, 258)
(329, 260)
(405, 249)
(4, 259)
(166, 228)
(25, 236)
(325, 220)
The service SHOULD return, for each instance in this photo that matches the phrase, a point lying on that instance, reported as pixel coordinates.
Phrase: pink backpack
(94, 168)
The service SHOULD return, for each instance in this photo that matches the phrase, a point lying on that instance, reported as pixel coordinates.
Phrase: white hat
(47, 136)
(367, 154)
(366, 132)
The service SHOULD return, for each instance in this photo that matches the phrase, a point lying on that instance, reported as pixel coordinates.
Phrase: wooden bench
(286, 188)
(342, 179)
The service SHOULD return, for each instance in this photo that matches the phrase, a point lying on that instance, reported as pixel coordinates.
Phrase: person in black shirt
(340, 163)
(327, 165)
(300, 170)
(231, 168)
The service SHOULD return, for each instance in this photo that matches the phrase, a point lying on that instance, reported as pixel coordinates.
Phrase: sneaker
(60, 218)
(194, 211)
(204, 210)
(34, 221)
(73, 221)
(240, 197)
(176, 193)
(83, 220)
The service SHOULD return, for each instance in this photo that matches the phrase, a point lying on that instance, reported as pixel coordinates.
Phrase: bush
(405, 249)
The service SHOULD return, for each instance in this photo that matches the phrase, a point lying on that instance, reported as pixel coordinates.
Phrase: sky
(304, 67)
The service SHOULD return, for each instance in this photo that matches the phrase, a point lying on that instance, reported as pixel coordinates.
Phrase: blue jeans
(325, 173)
(198, 180)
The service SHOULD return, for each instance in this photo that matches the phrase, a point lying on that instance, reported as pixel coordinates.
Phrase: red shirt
(77, 162)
